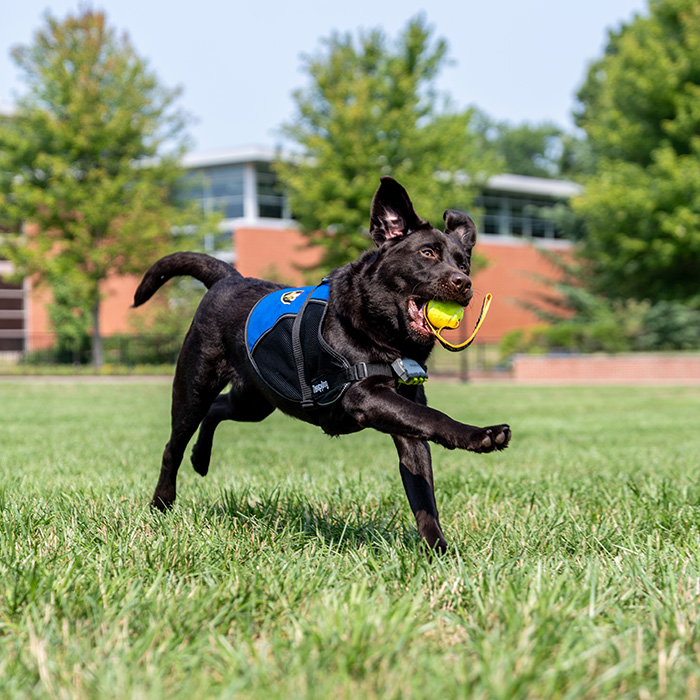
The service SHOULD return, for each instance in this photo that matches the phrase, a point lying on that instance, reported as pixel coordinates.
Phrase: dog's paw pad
(500, 438)
(486, 442)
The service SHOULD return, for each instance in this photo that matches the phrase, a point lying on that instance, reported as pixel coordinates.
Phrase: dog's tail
(205, 268)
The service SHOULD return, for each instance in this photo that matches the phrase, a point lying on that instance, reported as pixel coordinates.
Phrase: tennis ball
(444, 314)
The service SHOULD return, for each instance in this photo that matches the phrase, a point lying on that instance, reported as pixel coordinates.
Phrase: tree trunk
(97, 358)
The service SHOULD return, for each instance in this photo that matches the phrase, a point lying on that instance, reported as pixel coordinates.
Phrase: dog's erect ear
(392, 214)
(458, 224)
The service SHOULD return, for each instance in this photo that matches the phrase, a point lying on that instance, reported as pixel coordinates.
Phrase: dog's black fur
(374, 315)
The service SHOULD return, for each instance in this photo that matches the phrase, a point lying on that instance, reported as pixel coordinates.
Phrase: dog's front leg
(375, 404)
(417, 476)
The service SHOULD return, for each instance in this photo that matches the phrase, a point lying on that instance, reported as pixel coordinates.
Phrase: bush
(142, 349)
(60, 354)
(121, 349)
(670, 325)
(612, 327)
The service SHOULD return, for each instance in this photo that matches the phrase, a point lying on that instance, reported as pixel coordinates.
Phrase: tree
(640, 107)
(536, 150)
(523, 149)
(89, 162)
(530, 149)
(372, 109)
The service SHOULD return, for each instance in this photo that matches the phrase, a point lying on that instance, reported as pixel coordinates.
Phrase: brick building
(259, 236)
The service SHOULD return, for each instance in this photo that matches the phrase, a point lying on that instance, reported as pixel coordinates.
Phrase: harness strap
(358, 371)
(368, 369)
(306, 393)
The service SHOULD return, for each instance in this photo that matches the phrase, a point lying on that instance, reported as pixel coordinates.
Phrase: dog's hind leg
(416, 469)
(238, 405)
(195, 387)
(201, 452)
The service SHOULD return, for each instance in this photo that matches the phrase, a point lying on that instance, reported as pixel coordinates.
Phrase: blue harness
(287, 350)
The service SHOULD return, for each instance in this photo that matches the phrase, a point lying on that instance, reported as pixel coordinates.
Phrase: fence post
(463, 366)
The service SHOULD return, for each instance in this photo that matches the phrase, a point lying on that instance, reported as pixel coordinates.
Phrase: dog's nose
(460, 281)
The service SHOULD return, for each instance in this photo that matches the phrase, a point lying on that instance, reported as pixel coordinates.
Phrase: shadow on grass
(289, 515)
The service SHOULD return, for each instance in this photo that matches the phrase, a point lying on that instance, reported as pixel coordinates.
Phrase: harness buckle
(360, 371)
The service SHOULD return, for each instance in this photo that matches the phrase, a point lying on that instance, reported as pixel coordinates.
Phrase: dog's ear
(392, 214)
(458, 224)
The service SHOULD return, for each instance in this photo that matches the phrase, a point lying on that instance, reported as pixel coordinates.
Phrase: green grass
(293, 569)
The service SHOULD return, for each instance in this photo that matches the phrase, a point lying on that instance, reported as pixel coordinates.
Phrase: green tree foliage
(640, 107)
(601, 325)
(575, 318)
(536, 150)
(530, 150)
(89, 163)
(371, 108)
(68, 315)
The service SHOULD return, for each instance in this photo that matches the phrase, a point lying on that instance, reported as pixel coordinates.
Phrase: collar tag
(409, 372)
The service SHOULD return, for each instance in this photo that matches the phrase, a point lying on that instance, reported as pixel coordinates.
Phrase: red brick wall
(607, 369)
(118, 296)
(279, 254)
(515, 272)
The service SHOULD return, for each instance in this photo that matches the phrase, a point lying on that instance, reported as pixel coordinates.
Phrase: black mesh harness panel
(287, 350)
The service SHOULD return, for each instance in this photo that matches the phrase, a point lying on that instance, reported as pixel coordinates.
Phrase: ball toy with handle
(445, 314)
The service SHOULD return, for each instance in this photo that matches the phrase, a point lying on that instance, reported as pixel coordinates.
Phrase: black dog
(355, 368)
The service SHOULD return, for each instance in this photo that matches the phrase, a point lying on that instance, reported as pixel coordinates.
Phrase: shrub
(620, 326)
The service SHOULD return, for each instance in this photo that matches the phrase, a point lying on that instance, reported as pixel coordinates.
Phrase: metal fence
(481, 359)
(126, 350)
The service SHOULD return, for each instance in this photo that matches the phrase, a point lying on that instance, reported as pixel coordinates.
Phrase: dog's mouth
(418, 323)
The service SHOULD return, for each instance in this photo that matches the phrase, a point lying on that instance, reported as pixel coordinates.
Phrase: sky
(239, 62)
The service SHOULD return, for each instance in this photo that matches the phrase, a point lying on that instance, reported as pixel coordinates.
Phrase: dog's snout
(460, 281)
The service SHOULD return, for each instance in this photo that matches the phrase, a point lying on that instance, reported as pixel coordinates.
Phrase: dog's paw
(200, 459)
(496, 437)
(160, 504)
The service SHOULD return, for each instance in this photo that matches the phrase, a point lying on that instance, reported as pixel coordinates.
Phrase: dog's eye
(428, 252)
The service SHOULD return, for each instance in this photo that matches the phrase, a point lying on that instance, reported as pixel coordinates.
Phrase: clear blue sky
(239, 61)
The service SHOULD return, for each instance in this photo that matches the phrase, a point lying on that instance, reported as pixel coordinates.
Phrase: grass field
(293, 569)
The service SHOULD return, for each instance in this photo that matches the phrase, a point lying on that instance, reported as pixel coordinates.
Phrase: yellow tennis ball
(444, 314)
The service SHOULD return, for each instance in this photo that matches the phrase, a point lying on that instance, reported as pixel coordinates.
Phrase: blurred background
(259, 133)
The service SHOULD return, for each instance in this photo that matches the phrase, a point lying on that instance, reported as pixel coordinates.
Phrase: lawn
(294, 571)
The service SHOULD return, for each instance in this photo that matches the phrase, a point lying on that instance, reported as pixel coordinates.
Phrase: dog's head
(416, 262)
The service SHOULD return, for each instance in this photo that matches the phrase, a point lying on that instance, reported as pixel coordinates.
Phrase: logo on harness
(320, 386)
(289, 297)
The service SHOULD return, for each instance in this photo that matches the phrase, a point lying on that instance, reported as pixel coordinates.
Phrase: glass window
(11, 344)
(218, 188)
(11, 316)
(516, 214)
(489, 224)
(193, 186)
(271, 207)
(10, 287)
(271, 202)
(233, 208)
(225, 185)
(11, 304)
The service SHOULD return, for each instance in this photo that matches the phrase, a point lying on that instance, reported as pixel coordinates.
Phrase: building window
(514, 214)
(219, 188)
(271, 203)
(11, 317)
(226, 188)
